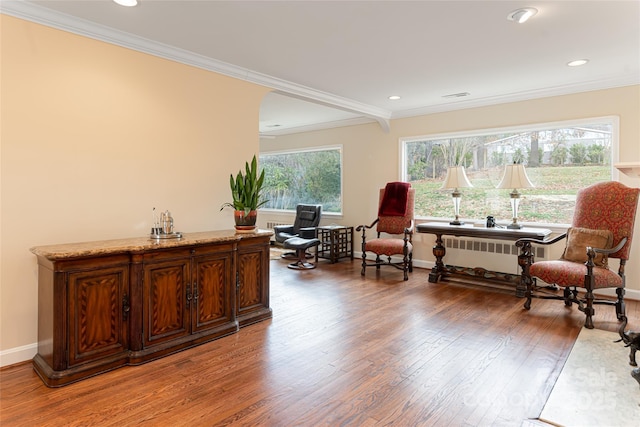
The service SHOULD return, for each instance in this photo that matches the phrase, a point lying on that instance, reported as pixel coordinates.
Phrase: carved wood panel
(212, 291)
(165, 289)
(253, 281)
(250, 274)
(96, 324)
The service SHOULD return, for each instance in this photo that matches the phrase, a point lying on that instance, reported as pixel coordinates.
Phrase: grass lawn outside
(551, 201)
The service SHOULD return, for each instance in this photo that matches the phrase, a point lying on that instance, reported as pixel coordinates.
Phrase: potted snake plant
(246, 191)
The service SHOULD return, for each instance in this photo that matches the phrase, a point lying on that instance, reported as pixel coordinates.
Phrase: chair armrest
(283, 229)
(410, 228)
(307, 232)
(613, 250)
(363, 226)
(408, 234)
(591, 254)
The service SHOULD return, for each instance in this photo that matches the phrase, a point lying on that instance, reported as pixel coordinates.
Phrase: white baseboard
(18, 354)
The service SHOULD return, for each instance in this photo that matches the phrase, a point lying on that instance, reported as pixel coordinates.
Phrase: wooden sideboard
(106, 304)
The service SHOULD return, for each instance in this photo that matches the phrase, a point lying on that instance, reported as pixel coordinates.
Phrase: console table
(336, 241)
(106, 304)
(441, 270)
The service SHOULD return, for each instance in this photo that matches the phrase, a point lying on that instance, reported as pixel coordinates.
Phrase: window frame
(335, 147)
(614, 120)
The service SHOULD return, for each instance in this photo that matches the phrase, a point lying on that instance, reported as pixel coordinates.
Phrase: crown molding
(602, 84)
(51, 18)
(41, 15)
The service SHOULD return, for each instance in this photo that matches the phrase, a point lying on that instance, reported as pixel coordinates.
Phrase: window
(559, 158)
(312, 176)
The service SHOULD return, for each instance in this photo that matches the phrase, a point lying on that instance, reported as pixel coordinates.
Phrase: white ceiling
(351, 55)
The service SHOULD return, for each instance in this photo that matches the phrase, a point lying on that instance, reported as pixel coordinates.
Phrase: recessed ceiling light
(577, 62)
(127, 3)
(394, 97)
(522, 15)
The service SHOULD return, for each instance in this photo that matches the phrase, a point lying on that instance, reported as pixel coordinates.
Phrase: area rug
(595, 387)
(276, 251)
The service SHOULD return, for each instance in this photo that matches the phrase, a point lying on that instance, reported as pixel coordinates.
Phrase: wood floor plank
(340, 350)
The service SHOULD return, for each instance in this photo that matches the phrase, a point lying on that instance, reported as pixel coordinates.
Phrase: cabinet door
(98, 309)
(253, 281)
(165, 311)
(212, 291)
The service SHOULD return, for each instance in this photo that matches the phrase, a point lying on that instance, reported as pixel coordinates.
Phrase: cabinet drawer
(166, 254)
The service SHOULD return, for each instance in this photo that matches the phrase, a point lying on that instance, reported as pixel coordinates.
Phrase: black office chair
(304, 226)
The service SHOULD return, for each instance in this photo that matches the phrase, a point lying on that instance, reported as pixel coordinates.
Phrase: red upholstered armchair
(602, 228)
(394, 227)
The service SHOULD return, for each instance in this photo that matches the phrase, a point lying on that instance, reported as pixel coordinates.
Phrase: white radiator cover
(495, 255)
(272, 224)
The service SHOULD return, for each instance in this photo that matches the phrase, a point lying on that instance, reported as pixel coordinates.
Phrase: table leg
(525, 259)
(333, 253)
(439, 252)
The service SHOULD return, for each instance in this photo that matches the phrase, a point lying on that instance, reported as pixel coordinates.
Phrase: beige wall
(93, 137)
(371, 157)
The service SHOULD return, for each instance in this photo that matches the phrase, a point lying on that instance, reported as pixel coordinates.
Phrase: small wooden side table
(336, 241)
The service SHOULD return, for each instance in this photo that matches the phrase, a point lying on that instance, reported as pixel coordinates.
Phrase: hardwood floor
(340, 350)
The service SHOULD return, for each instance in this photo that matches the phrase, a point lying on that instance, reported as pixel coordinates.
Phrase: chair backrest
(608, 206)
(307, 216)
(396, 224)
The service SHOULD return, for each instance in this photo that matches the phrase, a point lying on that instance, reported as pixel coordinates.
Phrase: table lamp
(456, 178)
(515, 177)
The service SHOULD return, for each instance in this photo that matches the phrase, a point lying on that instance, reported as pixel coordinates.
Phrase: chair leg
(620, 307)
(364, 249)
(377, 262)
(405, 265)
(567, 297)
(588, 310)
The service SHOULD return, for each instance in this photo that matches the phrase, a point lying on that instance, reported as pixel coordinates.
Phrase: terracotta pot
(245, 222)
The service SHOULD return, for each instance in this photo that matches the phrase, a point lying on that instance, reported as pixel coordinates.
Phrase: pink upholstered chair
(394, 227)
(602, 228)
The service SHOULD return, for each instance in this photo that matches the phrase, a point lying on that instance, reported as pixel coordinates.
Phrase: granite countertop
(139, 244)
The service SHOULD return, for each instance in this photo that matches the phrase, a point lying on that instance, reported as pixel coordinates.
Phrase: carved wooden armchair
(394, 227)
(602, 228)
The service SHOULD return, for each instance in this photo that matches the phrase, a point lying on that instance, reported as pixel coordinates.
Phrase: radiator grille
(492, 247)
(271, 224)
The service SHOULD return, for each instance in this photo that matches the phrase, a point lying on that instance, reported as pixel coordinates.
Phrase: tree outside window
(559, 160)
(308, 177)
